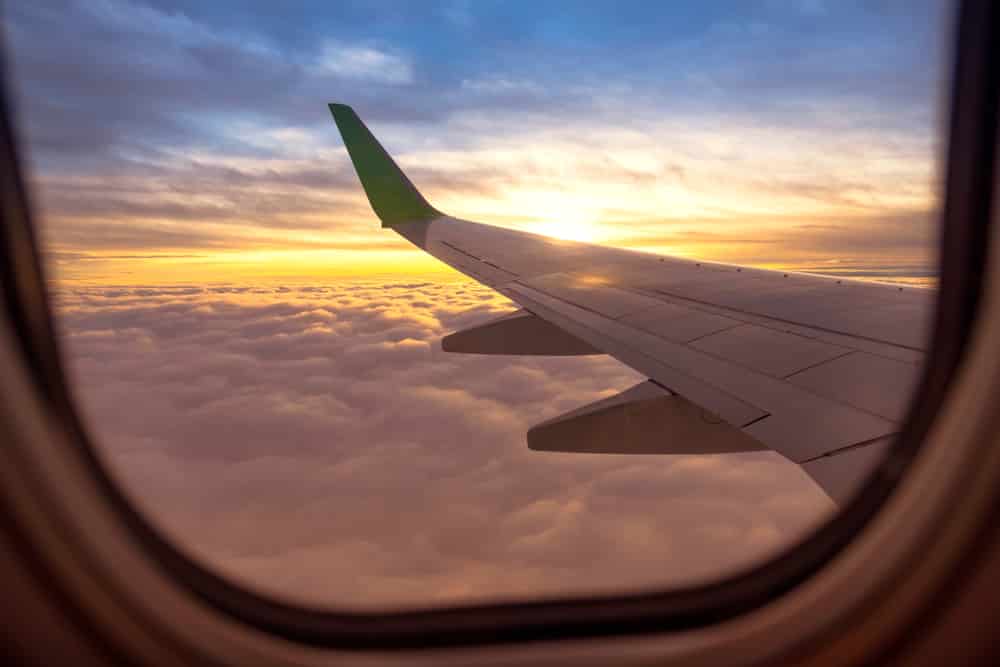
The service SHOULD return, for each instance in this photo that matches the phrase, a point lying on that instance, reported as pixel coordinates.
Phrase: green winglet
(393, 197)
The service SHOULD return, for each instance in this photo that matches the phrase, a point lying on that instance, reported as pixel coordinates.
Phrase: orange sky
(785, 136)
(744, 194)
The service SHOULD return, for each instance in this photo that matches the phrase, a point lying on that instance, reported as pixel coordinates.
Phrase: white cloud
(365, 63)
(501, 86)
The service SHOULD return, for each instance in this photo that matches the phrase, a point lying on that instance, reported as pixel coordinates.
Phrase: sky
(178, 142)
(259, 361)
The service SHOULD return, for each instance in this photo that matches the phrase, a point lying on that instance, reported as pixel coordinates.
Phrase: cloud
(365, 63)
(501, 86)
(314, 442)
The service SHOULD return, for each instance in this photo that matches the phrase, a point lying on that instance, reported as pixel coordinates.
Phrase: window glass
(259, 362)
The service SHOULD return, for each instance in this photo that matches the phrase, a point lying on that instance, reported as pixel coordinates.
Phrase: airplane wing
(818, 369)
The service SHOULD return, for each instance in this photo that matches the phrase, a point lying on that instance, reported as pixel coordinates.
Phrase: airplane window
(302, 362)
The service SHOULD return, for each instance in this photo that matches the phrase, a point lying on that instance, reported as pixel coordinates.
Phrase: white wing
(817, 369)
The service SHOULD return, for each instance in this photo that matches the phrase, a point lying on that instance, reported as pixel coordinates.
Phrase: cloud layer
(313, 442)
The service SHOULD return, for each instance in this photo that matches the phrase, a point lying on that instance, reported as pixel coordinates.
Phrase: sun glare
(568, 230)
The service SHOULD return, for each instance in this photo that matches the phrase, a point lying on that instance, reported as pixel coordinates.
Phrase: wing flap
(769, 351)
(645, 419)
(840, 473)
(866, 381)
(679, 324)
(794, 422)
(633, 348)
(519, 332)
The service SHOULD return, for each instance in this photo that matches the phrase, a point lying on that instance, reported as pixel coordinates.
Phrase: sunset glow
(185, 189)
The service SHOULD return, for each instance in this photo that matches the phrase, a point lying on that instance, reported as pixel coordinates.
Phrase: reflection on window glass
(259, 361)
